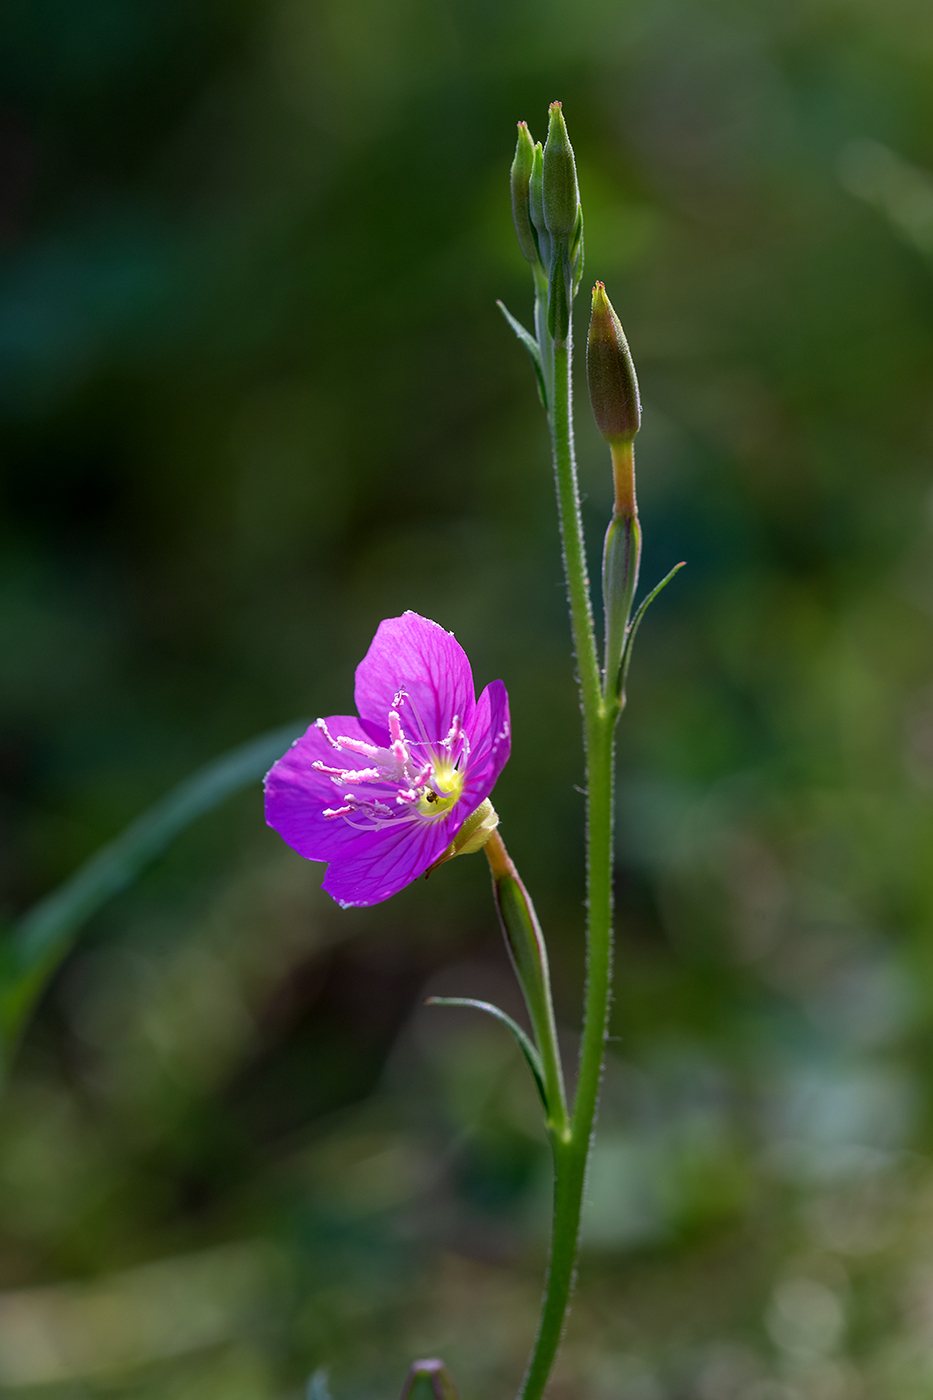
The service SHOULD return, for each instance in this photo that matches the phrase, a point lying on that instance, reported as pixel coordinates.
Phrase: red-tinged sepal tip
(611, 374)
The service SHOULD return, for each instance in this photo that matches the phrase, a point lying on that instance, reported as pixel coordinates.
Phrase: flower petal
(490, 744)
(297, 794)
(367, 866)
(374, 865)
(412, 653)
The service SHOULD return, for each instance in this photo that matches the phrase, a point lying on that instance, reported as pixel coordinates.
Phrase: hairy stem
(599, 717)
(571, 532)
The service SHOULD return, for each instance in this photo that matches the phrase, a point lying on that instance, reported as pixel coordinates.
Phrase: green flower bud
(611, 374)
(561, 194)
(536, 188)
(522, 167)
(536, 207)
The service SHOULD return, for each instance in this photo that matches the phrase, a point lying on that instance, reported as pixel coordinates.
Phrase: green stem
(599, 929)
(599, 718)
(571, 532)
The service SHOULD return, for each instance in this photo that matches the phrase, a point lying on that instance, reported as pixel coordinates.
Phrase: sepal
(472, 836)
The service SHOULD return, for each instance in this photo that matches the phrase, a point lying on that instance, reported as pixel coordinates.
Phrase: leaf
(35, 945)
(636, 622)
(524, 1041)
(531, 345)
(576, 250)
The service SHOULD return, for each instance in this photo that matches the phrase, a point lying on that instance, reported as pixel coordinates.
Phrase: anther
(356, 746)
(395, 727)
(322, 725)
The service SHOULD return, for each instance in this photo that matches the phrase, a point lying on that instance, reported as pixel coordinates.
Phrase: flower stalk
(553, 212)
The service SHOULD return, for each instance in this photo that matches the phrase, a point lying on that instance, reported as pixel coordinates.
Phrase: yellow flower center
(443, 789)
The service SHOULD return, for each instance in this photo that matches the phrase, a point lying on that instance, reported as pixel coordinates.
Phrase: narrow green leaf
(531, 345)
(36, 944)
(636, 623)
(576, 252)
(524, 1041)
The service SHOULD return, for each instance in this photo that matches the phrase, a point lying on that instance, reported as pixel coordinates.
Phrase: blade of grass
(33, 948)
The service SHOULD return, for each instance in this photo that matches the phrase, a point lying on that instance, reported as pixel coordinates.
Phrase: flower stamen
(426, 788)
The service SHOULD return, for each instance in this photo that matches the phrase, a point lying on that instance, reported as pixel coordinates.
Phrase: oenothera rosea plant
(386, 796)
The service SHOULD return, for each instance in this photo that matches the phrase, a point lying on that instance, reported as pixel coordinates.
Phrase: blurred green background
(255, 396)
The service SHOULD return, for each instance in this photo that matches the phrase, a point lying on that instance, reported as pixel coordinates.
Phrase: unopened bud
(535, 192)
(561, 193)
(611, 374)
(522, 167)
(429, 1380)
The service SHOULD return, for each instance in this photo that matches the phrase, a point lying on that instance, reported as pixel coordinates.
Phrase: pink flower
(382, 798)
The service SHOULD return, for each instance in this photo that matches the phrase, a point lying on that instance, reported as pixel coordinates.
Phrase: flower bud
(429, 1380)
(611, 374)
(561, 194)
(536, 204)
(522, 167)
